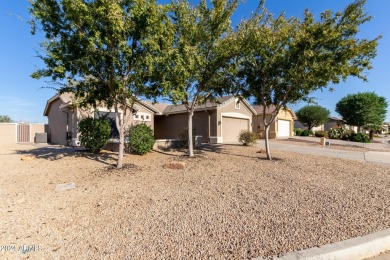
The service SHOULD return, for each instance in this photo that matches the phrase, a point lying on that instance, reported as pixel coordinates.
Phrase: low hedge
(359, 137)
(307, 133)
(298, 131)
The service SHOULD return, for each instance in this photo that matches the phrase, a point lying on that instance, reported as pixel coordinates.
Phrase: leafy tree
(201, 50)
(312, 116)
(283, 60)
(5, 119)
(102, 50)
(94, 133)
(363, 109)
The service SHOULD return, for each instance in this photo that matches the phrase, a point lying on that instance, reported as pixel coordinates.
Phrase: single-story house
(219, 121)
(333, 122)
(282, 127)
(64, 116)
(385, 128)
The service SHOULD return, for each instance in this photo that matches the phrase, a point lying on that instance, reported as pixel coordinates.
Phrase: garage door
(231, 128)
(284, 128)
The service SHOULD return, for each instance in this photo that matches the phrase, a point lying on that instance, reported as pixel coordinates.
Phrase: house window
(237, 103)
(142, 116)
(111, 117)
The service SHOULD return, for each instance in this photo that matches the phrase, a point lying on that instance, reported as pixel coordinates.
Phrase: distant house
(282, 127)
(219, 121)
(64, 116)
(385, 128)
(333, 122)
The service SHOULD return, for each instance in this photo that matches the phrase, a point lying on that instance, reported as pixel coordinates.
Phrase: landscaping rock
(65, 186)
(175, 165)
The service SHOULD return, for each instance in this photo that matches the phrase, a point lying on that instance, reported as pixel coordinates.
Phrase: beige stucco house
(333, 122)
(64, 116)
(282, 127)
(219, 121)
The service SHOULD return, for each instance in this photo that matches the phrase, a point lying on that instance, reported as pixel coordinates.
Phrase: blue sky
(24, 98)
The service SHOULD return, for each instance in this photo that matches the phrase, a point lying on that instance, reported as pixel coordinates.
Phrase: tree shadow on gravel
(127, 168)
(201, 150)
(53, 153)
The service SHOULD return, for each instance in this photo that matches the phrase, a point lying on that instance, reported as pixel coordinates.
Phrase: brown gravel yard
(226, 204)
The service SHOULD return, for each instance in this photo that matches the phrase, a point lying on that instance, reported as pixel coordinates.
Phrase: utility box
(40, 138)
(323, 141)
(198, 140)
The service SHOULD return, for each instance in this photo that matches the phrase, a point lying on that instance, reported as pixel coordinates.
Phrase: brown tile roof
(269, 110)
(169, 108)
(259, 109)
(158, 106)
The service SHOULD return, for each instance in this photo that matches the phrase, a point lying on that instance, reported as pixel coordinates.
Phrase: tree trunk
(266, 140)
(371, 134)
(120, 126)
(190, 143)
(121, 147)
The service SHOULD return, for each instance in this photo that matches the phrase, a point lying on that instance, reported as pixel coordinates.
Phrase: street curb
(352, 249)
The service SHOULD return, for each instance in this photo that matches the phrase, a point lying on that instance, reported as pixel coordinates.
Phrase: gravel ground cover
(228, 203)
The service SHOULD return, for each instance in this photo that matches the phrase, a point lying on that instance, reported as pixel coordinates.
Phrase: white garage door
(231, 128)
(284, 128)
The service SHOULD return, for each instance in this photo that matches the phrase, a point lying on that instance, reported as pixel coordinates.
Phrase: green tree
(363, 109)
(5, 119)
(201, 50)
(102, 50)
(285, 59)
(312, 116)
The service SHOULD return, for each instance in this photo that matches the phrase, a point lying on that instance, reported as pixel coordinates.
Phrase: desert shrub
(340, 133)
(247, 137)
(141, 139)
(359, 137)
(306, 132)
(298, 131)
(321, 134)
(183, 137)
(94, 133)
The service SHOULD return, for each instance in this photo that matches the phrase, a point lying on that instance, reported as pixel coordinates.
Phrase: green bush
(247, 137)
(183, 137)
(340, 133)
(94, 133)
(298, 131)
(141, 139)
(321, 134)
(359, 137)
(307, 133)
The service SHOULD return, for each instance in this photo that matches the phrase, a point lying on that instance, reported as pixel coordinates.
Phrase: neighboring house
(282, 127)
(220, 121)
(333, 122)
(385, 128)
(64, 116)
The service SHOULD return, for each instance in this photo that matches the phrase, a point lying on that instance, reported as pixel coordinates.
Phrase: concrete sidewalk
(384, 143)
(382, 158)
